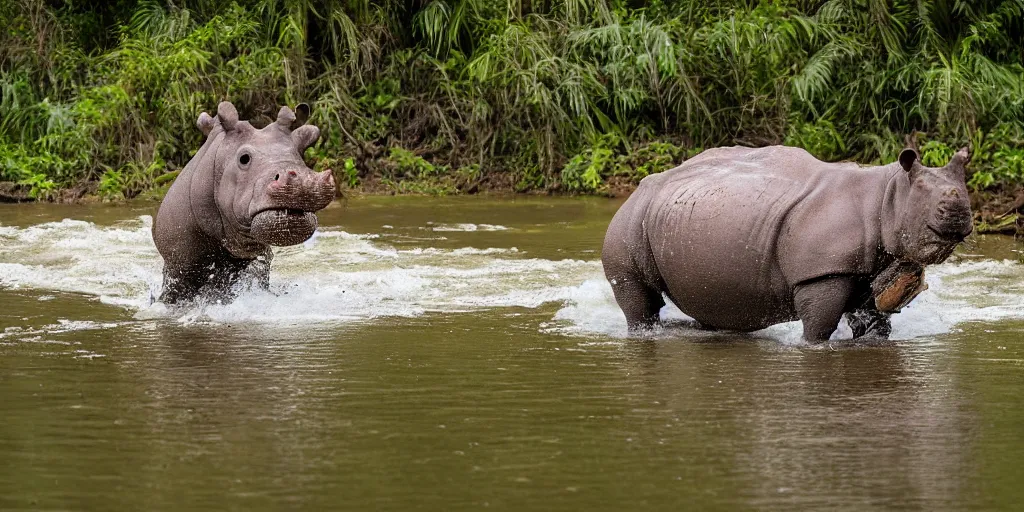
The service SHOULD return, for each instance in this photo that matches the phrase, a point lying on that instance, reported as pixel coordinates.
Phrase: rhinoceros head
(937, 214)
(262, 188)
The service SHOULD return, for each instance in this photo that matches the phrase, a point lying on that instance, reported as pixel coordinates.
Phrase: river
(467, 353)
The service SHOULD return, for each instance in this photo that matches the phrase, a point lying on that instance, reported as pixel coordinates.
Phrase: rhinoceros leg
(639, 302)
(869, 322)
(229, 276)
(179, 285)
(216, 277)
(820, 304)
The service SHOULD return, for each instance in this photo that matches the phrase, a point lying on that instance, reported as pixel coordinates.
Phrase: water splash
(333, 277)
(338, 277)
(118, 263)
(985, 290)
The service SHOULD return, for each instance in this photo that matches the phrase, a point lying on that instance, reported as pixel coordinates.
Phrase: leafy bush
(412, 165)
(556, 94)
(820, 138)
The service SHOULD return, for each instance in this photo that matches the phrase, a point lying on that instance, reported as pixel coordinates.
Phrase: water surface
(466, 353)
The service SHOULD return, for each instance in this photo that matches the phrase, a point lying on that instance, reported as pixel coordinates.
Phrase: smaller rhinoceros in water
(245, 190)
(741, 239)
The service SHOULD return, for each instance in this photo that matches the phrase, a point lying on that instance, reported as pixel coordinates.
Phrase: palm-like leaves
(513, 83)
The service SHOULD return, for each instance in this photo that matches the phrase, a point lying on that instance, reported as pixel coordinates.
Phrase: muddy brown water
(466, 353)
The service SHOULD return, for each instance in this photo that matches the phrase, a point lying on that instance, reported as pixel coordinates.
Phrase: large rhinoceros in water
(245, 190)
(741, 239)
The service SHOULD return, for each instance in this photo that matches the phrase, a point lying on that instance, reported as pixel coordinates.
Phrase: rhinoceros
(740, 239)
(245, 190)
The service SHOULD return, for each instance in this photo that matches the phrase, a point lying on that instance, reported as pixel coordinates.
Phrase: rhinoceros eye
(244, 159)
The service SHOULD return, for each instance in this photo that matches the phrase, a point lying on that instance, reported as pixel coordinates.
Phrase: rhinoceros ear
(907, 158)
(302, 113)
(304, 137)
(206, 124)
(228, 115)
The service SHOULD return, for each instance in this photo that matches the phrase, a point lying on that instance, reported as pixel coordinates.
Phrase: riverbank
(998, 211)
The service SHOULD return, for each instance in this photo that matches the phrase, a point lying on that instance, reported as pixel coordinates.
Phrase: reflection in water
(242, 402)
(858, 427)
(413, 362)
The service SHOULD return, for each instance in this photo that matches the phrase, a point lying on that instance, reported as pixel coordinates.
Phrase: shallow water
(467, 353)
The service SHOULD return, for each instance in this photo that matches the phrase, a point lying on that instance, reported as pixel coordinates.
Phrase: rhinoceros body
(733, 235)
(245, 190)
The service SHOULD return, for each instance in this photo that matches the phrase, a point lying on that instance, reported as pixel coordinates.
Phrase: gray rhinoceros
(245, 190)
(741, 239)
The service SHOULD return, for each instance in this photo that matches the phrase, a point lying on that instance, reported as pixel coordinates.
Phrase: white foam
(333, 277)
(61, 326)
(341, 277)
(466, 227)
(118, 263)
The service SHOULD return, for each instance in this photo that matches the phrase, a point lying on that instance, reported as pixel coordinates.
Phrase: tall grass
(554, 94)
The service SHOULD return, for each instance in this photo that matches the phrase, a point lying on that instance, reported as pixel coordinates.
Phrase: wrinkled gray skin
(741, 239)
(243, 191)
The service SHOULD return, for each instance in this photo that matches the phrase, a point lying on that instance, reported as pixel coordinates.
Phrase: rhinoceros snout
(953, 219)
(284, 179)
(303, 177)
(302, 190)
(285, 214)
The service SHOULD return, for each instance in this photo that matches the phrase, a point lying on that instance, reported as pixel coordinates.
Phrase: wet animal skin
(741, 239)
(245, 190)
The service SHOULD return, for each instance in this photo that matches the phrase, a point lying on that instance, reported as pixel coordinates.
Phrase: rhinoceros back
(733, 230)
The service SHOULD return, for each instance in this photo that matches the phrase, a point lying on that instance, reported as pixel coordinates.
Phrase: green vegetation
(443, 96)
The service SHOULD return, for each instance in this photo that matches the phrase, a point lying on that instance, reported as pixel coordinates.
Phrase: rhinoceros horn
(285, 118)
(961, 158)
(304, 136)
(228, 115)
(206, 124)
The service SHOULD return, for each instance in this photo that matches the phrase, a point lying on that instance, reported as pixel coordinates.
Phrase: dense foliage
(440, 95)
